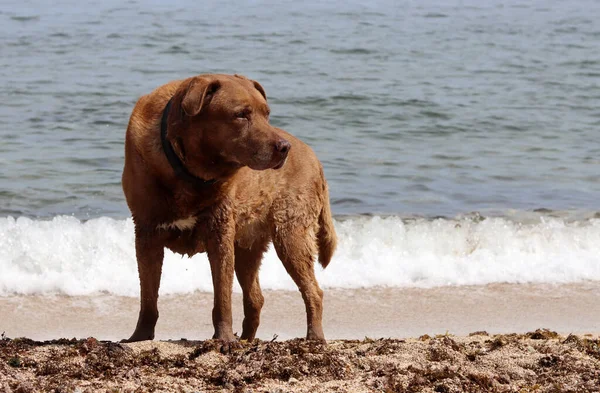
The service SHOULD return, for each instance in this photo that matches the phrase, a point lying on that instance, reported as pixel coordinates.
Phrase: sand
(369, 348)
(349, 314)
(540, 361)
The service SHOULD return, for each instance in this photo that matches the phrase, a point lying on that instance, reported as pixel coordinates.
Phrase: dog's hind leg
(247, 263)
(150, 254)
(296, 248)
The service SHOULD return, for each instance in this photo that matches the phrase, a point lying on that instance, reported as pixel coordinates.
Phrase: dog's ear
(198, 95)
(260, 89)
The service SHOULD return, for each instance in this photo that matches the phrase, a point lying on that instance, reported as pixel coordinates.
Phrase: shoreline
(539, 361)
(348, 313)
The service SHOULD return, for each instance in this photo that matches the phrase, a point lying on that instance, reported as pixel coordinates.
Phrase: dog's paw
(130, 340)
(316, 338)
(227, 343)
(137, 336)
(229, 346)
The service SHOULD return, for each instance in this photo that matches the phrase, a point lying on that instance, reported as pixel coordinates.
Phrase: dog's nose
(282, 146)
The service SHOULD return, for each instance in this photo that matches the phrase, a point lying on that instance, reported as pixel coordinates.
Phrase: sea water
(67, 256)
(461, 140)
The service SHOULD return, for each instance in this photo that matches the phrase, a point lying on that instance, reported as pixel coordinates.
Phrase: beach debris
(502, 363)
(479, 333)
(542, 334)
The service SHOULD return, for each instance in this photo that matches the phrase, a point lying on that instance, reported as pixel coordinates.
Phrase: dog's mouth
(281, 163)
(261, 166)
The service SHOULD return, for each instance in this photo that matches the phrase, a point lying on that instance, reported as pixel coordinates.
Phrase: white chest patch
(182, 224)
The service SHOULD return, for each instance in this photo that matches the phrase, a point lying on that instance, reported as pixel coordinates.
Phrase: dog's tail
(326, 238)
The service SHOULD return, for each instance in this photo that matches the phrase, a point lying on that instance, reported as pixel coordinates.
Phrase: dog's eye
(241, 115)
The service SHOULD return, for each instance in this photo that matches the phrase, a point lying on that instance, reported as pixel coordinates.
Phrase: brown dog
(206, 172)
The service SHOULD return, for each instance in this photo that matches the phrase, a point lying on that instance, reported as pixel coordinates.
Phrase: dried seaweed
(441, 364)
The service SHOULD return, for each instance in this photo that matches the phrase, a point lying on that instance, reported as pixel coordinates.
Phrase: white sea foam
(65, 255)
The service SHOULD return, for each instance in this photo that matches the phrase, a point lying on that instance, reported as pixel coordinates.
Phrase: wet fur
(235, 219)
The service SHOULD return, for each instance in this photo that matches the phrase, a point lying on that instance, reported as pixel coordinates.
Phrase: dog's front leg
(150, 253)
(220, 249)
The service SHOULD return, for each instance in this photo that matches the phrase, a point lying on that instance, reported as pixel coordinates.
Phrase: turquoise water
(414, 108)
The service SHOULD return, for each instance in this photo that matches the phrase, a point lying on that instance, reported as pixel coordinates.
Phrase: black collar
(178, 166)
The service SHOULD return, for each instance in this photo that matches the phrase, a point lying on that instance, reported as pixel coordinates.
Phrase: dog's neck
(178, 166)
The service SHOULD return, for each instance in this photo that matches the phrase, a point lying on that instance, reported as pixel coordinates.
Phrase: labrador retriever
(205, 171)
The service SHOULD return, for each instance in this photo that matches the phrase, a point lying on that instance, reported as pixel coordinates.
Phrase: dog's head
(224, 120)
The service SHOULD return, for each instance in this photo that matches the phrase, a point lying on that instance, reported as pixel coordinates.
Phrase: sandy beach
(449, 339)
(349, 314)
(540, 361)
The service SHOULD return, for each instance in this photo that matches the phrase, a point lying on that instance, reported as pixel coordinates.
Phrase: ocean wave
(68, 256)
